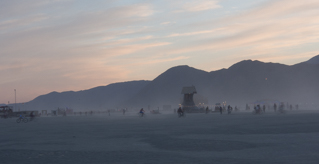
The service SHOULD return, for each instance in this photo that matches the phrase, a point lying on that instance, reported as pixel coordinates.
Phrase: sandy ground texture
(241, 137)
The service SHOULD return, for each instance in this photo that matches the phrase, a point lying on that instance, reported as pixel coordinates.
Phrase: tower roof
(189, 90)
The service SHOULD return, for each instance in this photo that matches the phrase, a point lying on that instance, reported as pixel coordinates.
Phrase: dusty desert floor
(164, 138)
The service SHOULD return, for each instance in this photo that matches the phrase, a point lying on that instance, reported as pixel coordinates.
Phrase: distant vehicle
(6, 111)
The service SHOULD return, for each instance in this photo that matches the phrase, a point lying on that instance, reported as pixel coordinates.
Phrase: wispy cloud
(274, 31)
(140, 10)
(167, 23)
(70, 41)
(35, 43)
(194, 33)
(198, 5)
(156, 60)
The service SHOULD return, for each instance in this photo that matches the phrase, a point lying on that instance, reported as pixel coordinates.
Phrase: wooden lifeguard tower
(188, 104)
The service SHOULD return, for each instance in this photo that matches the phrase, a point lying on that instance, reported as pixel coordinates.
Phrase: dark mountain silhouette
(110, 96)
(253, 80)
(243, 82)
(314, 60)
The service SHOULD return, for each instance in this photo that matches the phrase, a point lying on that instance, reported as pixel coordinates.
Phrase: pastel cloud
(198, 5)
(113, 41)
(276, 30)
(54, 45)
(193, 33)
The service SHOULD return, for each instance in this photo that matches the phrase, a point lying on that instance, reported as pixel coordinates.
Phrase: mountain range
(244, 82)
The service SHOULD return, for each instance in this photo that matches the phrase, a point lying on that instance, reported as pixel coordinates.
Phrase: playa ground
(240, 137)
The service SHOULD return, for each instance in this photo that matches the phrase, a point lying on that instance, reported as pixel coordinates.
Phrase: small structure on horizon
(188, 104)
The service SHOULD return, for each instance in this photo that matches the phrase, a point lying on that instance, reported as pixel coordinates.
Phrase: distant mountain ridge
(314, 60)
(243, 82)
(100, 97)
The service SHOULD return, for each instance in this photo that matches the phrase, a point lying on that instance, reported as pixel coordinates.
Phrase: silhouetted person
(206, 109)
(259, 108)
(31, 116)
(229, 109)
(180, 112)
(142, 112)
(221, 110)
(275, 107)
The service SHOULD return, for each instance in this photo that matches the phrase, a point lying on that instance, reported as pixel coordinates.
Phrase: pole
(15, 99)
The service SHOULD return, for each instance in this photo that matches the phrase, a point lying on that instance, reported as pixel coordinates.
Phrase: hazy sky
(62, 45)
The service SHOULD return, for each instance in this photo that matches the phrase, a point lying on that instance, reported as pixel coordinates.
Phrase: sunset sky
(63, 45)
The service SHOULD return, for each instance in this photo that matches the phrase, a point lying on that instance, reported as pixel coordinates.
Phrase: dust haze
(162, 137)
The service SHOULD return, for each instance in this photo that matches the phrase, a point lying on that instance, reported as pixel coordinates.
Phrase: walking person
(180, 112)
